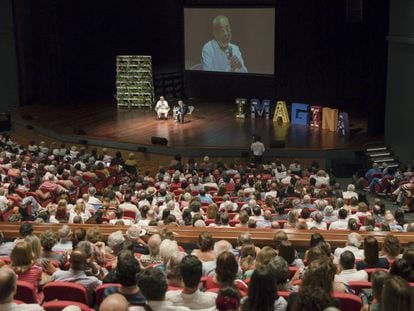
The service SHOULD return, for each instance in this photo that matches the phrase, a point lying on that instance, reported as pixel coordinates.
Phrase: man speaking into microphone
(219, 54)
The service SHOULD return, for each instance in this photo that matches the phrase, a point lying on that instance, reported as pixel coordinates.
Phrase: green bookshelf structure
(134, 83)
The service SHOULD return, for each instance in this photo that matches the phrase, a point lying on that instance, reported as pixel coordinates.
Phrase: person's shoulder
(208, 44)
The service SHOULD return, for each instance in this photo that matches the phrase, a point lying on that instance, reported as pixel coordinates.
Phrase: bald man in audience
(8, 288)
(76, 273)
(114, 302)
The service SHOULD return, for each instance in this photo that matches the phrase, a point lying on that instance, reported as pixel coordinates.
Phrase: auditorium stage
(212, 129)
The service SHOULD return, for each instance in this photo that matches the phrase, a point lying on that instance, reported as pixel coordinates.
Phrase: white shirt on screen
(215, 59)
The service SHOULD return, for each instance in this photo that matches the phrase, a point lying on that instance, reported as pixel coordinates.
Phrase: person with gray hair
(219, 247)
(350, 193)
(116, 242)
(93, 200)
(328, 214)
(65, 240)
(317, 222)
(168, 248)
(307, 202)
(153, 244)
(219, 54)
(354, 241)
(8, 288)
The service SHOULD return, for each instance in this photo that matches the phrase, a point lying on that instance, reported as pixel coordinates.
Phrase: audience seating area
(93, 188)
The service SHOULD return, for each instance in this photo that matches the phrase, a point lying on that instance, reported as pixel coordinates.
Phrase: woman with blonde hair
(265, 256)
(79, 210)
(23, 263)
(293, 217)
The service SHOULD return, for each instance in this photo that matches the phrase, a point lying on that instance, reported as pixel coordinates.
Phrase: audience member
(190, 296)
(8, 288)
(153, 285)
(347, 271)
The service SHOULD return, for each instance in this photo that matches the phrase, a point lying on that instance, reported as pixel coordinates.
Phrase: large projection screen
(237, 40)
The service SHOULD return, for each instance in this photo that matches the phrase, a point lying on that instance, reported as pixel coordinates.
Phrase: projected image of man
(219, 54)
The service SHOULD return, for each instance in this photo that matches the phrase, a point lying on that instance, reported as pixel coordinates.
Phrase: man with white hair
(390, 221)
(8, 288)
(307, 202)
(168, 248)
(162, 108)
(65, 240)
(350, 192)
(353, 243)
(116, 242)
(221, 246)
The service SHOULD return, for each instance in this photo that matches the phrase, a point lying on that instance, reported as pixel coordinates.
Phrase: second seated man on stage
(181, 110)
(162, 108)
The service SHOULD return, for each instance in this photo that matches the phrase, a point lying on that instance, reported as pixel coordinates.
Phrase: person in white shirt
(257, 148)
(128, 206)
(350, 192)
(162, 108)
(4, 202)
(317, 222)
(353, 243)
(191, 297)
(219, 54)
(348, 273)
(8, 288)
(342, 222)
(65, 242)
(92, 199)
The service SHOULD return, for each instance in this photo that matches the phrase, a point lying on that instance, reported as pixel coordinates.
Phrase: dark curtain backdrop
(67, 52)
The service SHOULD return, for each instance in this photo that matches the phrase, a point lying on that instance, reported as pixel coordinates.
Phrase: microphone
(229, 52)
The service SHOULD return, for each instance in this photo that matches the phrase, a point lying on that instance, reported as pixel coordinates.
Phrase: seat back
(26, 292)
(61, 304)
(99, 292)
(359, 286)
(348, 302)
(66, 291)
(130, 213)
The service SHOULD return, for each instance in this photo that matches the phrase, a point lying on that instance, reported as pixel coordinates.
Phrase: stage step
(376, 149)
(379, 154)
(382, 160)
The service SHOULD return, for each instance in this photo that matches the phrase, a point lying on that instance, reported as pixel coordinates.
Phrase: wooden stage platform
(212, 128)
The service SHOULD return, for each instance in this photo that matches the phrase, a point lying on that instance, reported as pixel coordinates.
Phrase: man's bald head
(114, 302)
(8, 284)
(78, 260)
(222, 30)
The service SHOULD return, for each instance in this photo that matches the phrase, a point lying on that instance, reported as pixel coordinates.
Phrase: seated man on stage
(180, 111)
(162, 108)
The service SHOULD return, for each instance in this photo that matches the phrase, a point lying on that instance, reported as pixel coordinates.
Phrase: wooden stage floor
(213, 125)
